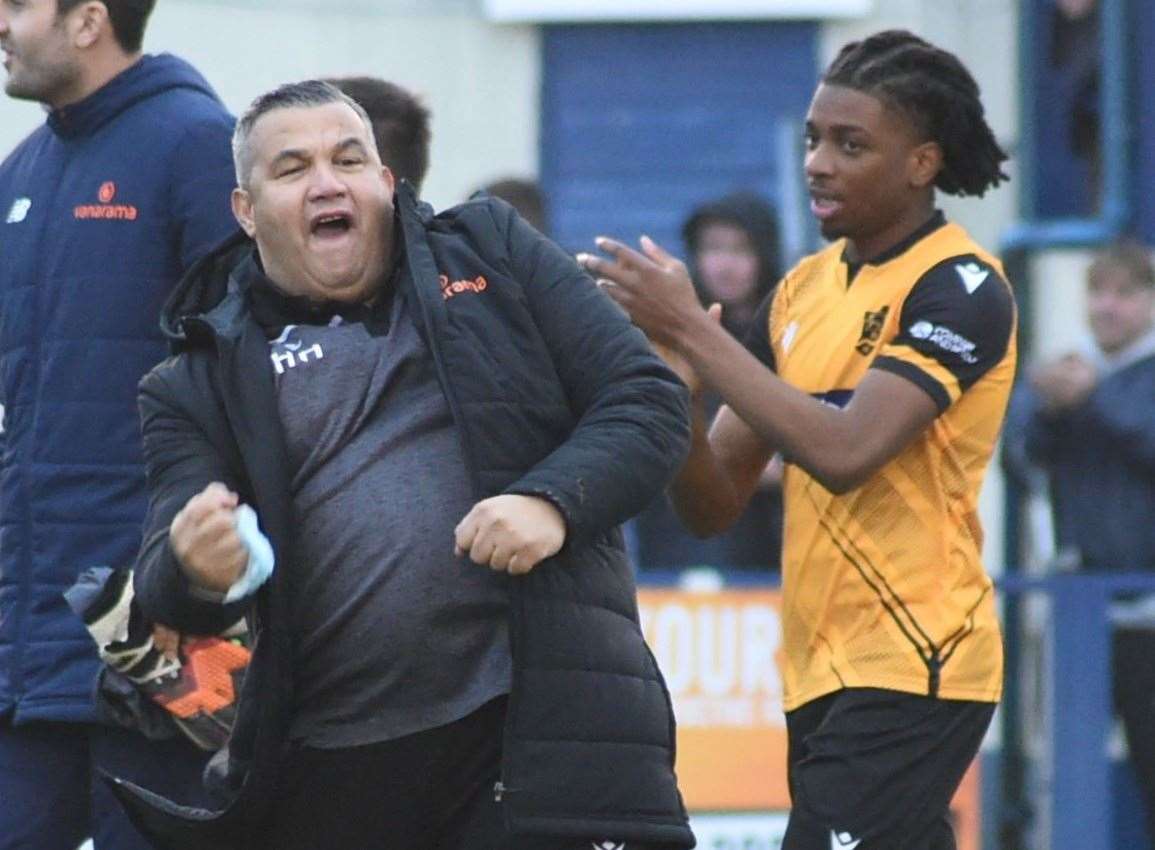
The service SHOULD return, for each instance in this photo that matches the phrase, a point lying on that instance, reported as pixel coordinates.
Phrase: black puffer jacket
(555, 394)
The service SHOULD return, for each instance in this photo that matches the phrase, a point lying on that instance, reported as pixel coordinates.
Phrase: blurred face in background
(38, 51)
(1120, 309)
(727, 264)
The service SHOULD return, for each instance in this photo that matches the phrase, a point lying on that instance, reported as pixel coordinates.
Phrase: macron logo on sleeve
(972, 275)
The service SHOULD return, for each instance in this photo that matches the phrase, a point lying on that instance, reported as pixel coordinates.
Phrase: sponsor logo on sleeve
(946, 339)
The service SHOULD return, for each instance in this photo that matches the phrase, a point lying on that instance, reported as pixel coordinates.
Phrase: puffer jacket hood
(149, 77)
(203, 290)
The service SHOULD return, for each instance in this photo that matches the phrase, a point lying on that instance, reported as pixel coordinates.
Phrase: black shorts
(879, 768)
(433, 790)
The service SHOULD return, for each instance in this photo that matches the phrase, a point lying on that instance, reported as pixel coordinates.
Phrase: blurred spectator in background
(733, 251)
(1087, 419)
(525, 196)
(103, 208)
(732, 246)
(400, 125)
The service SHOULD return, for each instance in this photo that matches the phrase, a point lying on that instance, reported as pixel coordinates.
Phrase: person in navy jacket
(101, 210)
(1086, 420)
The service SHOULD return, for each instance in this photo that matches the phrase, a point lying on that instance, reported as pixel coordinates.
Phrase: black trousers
(434, 790)
(878, 768)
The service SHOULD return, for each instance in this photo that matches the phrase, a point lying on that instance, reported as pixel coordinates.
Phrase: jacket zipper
(434, 342)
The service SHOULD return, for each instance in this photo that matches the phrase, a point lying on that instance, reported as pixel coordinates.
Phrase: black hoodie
(756, 217)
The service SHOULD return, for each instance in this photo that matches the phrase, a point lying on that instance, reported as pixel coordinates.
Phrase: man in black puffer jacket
(439, 422)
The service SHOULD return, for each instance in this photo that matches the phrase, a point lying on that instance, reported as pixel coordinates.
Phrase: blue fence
(1083, 783)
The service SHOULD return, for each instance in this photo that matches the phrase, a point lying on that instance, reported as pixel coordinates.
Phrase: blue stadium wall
(640, 123)
(1061, 181)
(1061, 177)
(1144, 87)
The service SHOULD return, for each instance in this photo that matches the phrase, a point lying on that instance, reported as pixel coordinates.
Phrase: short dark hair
(525, 196)
(1129, 255)
(128, 17)
(400, 124)
(287, 96)
(937, 93)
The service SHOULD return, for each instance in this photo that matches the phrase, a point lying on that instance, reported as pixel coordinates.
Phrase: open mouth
(331, 225)
(824, 207)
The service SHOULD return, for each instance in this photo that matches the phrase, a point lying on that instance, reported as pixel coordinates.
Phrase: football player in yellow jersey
(880, 369)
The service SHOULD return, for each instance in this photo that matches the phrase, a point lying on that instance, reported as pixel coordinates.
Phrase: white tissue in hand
(261, 559)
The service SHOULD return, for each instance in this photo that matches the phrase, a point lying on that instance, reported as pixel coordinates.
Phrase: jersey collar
(902, 246)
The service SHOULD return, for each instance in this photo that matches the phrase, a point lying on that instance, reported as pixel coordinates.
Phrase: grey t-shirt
(394, 634)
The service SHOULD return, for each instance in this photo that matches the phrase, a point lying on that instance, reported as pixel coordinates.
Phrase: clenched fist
(510, 533)
(1065, 383)
(205, 540)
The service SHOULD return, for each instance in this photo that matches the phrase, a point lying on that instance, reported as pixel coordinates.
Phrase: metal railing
(1078, 677)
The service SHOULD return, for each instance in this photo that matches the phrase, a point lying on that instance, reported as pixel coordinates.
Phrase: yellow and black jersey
(884, 586)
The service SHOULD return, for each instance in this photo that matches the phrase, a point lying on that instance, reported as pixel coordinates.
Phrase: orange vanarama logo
(106, 209)
(456, 287)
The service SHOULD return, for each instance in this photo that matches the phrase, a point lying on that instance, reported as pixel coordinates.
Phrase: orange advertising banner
(720, 652)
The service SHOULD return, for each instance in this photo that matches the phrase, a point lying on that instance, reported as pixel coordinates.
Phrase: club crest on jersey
(873, 322)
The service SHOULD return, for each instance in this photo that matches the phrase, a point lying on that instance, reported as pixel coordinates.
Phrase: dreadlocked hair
(937, 93)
